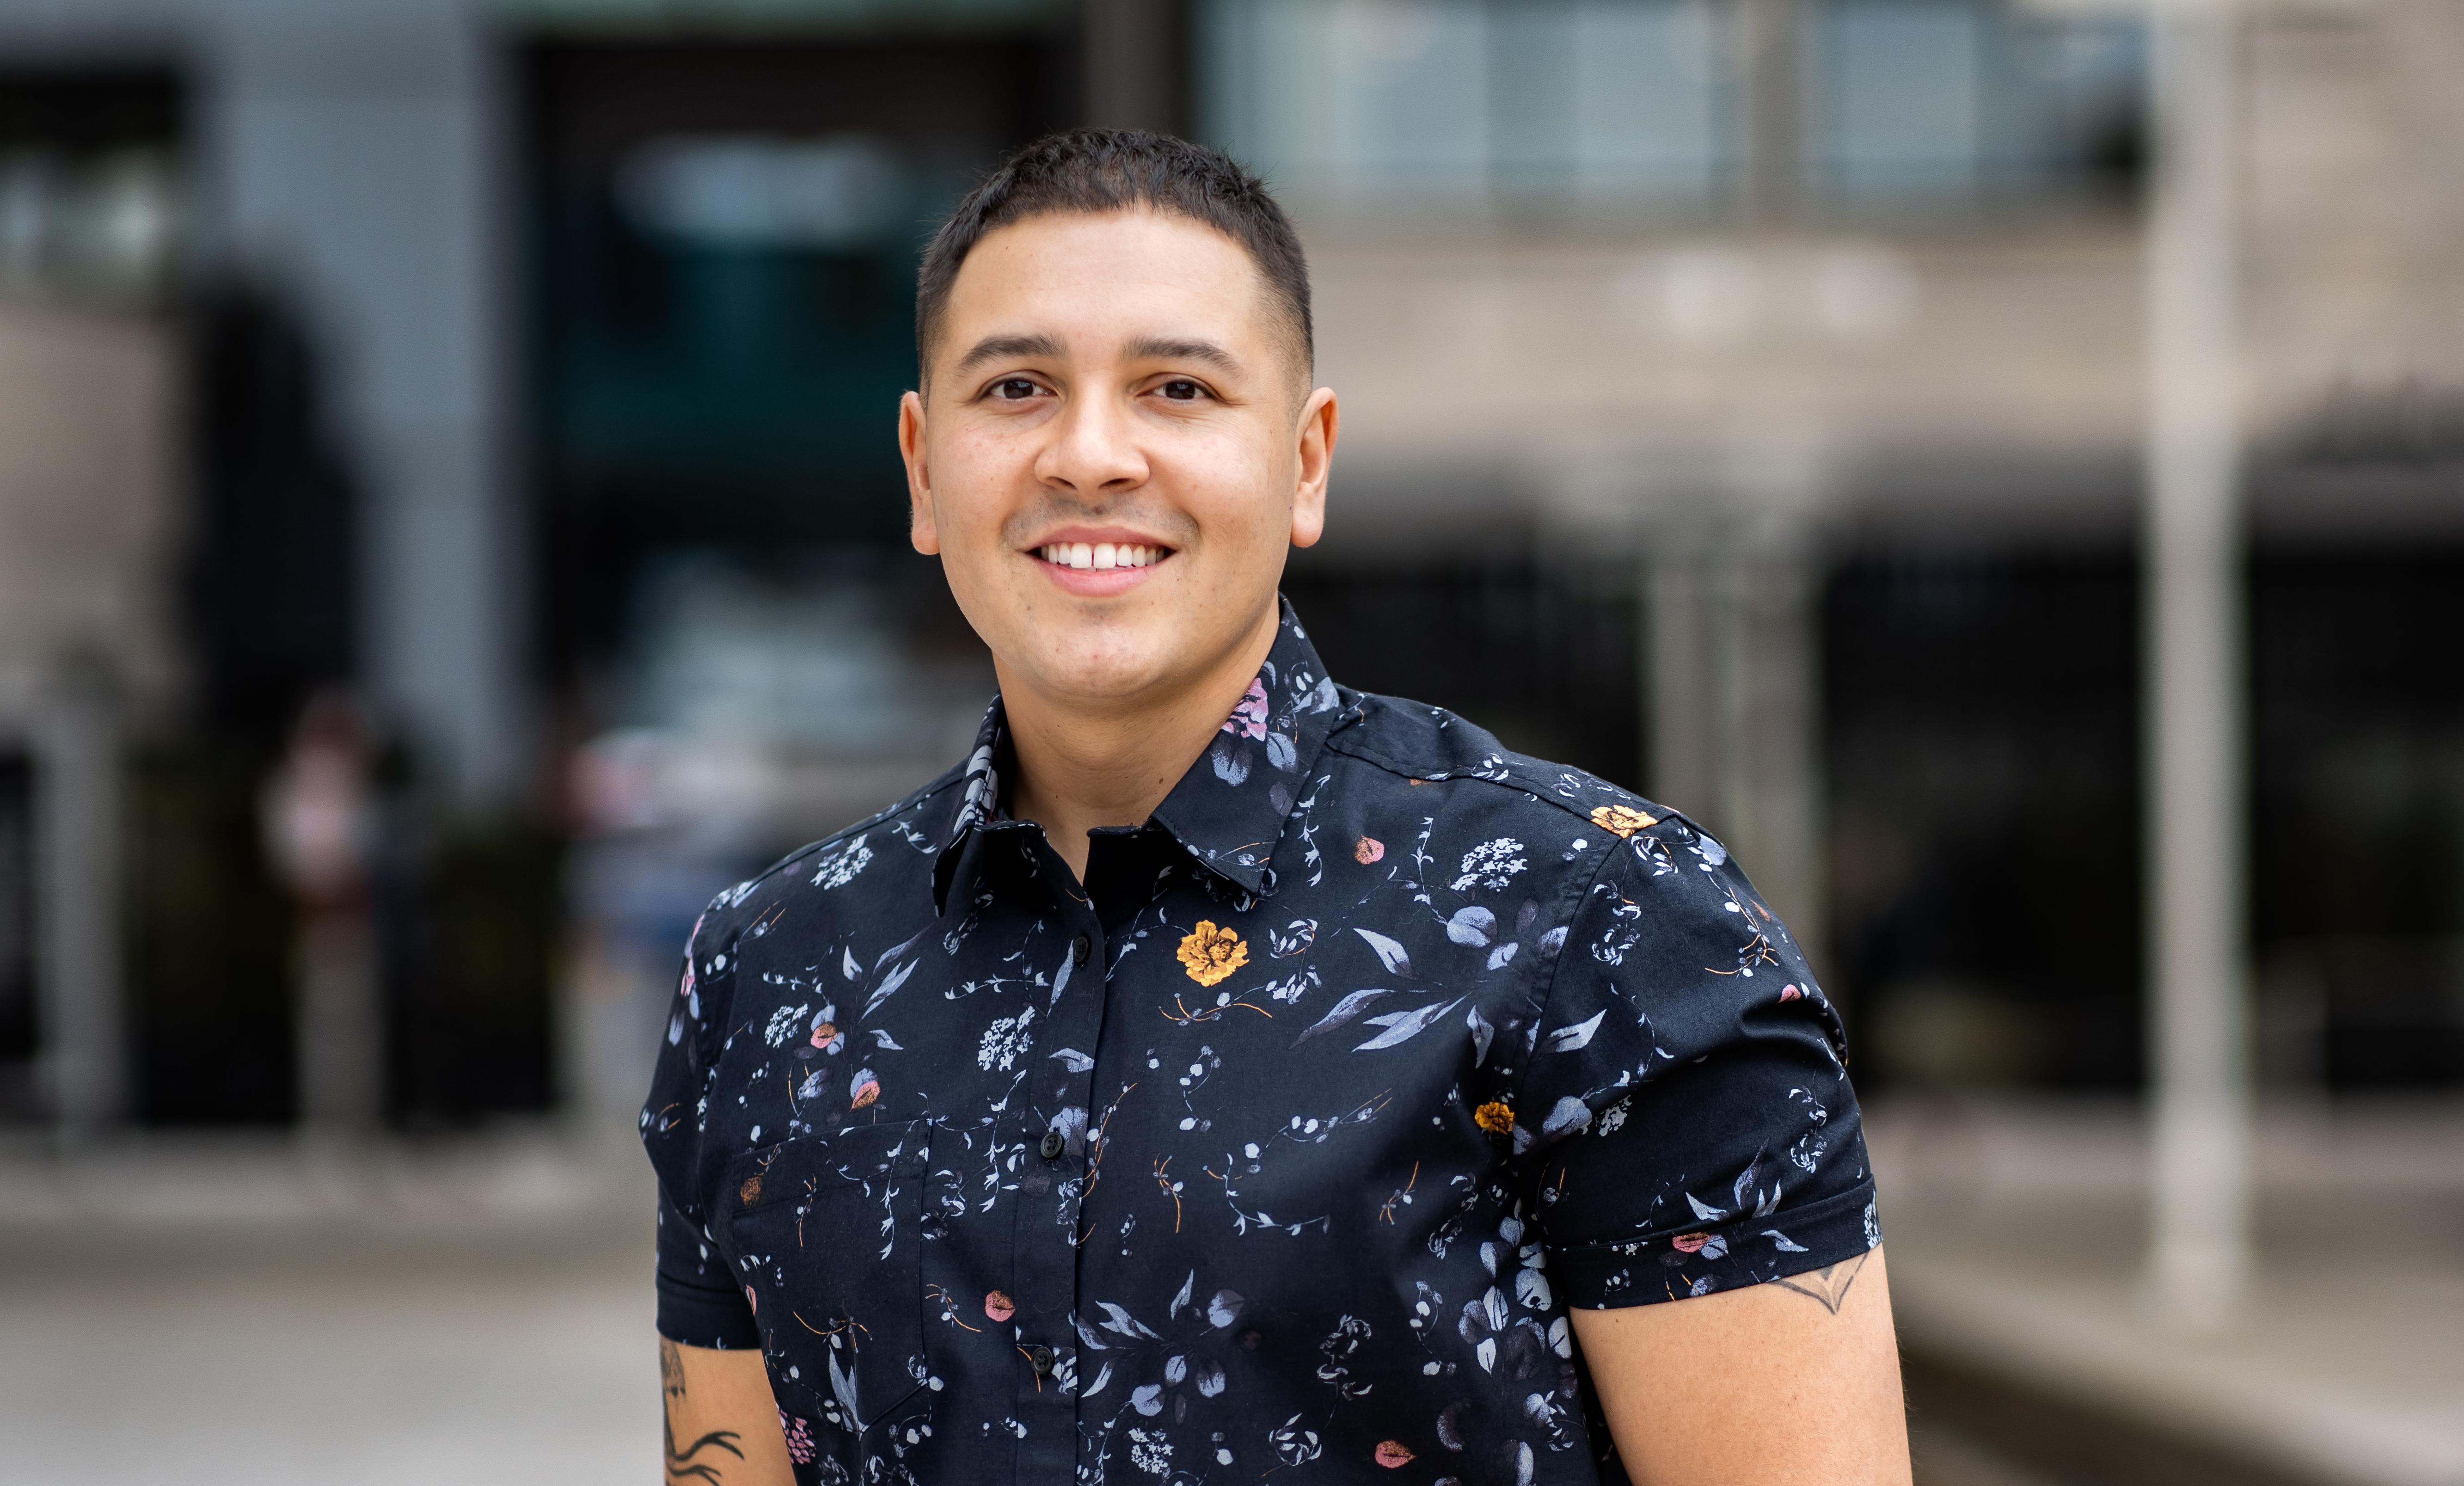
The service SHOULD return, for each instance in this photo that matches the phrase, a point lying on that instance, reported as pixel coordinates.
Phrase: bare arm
(1793, 1382)
(722, 1421)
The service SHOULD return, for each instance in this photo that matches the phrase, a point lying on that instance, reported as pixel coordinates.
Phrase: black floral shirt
(1281, 1147)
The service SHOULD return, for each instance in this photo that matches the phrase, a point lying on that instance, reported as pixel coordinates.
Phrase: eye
(1182, 390)
(1014, 390)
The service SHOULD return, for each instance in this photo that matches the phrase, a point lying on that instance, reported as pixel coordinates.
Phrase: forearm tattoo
(1828, 1284)
(690, 1464)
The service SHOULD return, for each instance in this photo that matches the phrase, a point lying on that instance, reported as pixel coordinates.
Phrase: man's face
(1113, 451)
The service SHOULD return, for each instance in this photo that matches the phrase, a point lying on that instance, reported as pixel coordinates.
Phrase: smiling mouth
(1102, 554)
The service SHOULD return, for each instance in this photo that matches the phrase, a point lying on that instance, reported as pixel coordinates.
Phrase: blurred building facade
(1743, 399)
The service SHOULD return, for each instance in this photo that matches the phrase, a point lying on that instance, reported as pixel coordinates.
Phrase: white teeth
(1099, 554)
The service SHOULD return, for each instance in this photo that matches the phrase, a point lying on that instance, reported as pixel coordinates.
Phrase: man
(1223, 1073)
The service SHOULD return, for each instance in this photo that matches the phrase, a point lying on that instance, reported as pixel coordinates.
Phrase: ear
(921, 529)
(1318, 426)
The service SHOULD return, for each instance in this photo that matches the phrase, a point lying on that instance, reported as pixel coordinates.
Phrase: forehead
(1088, 277)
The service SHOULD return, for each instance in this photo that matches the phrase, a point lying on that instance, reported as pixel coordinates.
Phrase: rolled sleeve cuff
(1679, 1263)
(693, 1315)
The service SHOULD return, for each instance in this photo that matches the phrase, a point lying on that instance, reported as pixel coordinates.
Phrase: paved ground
(479, 1320)
(2016, 1239)
(200, 1312)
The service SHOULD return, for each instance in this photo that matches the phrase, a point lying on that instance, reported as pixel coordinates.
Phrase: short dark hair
(1094, 170)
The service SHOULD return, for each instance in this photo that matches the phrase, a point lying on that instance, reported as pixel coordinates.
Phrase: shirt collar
(1228, 810)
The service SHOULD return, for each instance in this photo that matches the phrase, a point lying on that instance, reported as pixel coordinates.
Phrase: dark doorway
(723, 237)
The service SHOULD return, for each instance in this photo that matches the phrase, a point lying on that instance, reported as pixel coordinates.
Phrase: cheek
(974, 476)
(1237, 489)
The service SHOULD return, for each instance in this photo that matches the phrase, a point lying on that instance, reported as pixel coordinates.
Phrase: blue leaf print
(1124, 1322)
(1475, 927)
(1224, 1309)
(1403, 1026)
(1568, 1039)
(1390, 953)
(1345, 1010)
(898, 978)
(1570, 1114)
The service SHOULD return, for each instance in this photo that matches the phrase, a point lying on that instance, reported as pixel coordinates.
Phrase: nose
(1093, 449)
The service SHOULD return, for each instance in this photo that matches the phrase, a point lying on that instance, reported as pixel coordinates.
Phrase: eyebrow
(1002, 347)
(1204, 352)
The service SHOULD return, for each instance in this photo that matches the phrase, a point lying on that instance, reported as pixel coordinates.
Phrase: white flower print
(1613, 1117)
(837, 869)
(1490, 865)
(1292, 1444)
(1003, 1041)
(1149, 1453)
(782, 1025)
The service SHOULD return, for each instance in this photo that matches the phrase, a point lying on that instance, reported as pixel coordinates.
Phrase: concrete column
(348, 154)
(1732, 658)
(77, 822)
(2195, 748)
(1773, 45)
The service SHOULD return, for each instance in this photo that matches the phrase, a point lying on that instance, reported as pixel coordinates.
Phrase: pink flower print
(1248, 718)
(800, 1437)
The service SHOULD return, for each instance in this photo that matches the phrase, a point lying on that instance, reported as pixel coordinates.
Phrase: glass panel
(1897, 101)
(1652, 100)
(1455, 105)
(1963, 101)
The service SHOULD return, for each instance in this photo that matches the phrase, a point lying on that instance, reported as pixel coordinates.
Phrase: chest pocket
(826, 1234)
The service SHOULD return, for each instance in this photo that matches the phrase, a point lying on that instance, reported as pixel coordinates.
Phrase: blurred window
(1604, 109)
(89, 186)
(1598, 105)
(1962, 102)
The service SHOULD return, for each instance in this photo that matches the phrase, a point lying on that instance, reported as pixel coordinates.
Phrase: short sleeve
(1686, 1119)
(699, 1303)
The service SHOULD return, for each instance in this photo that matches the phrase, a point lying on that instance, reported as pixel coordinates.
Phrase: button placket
(1045, 1251)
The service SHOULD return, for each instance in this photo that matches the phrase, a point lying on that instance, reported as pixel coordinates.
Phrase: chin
(1103, 665)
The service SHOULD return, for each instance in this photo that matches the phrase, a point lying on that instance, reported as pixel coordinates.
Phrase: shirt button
(1040, 1357)
(1051, 1145)
(1079, 952)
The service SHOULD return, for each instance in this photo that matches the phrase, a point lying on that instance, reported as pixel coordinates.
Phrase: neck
(1079, 766)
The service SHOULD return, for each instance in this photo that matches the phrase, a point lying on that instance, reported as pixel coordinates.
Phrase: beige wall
(88, 458)
(1587, 374)
(2356, 205)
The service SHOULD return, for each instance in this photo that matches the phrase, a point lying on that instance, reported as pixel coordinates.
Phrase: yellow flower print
(1621, 820)
(1495, 1117)
(1212, 954)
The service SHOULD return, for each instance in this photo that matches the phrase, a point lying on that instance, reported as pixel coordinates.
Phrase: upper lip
(1117, 536)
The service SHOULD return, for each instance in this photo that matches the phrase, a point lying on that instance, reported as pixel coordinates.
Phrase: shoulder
(837, 861)
(1464, 767)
